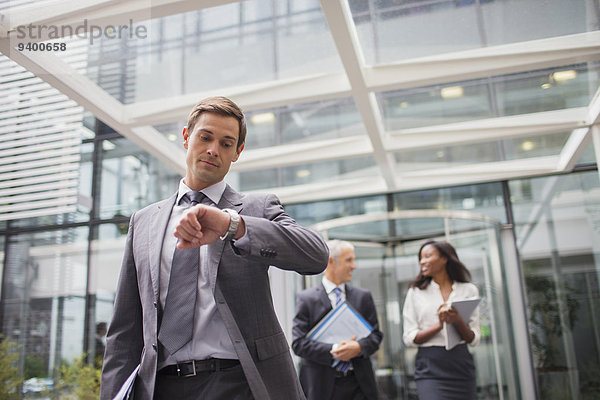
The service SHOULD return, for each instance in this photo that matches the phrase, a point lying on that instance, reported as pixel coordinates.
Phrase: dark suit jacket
(241, 290)
(316, 374)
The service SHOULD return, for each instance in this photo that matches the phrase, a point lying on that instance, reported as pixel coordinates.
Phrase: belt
(344, 374)
(194, 367)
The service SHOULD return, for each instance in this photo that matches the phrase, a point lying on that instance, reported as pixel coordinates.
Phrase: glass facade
(558, 88)
(53, 277)
(248, 42)
(558, 236)
(556, 232)
(44, 297)
(130, 178)
(392, 30)
(59, 273)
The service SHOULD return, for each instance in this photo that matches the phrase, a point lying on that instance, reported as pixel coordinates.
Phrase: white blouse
(420, 312)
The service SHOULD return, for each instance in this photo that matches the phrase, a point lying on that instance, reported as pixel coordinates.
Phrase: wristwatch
(234, 222)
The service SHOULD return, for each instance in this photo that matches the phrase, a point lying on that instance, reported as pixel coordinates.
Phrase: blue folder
(339, 324)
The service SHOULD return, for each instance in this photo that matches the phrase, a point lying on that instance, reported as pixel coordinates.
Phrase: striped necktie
(178, 316)
(337, 363)
(338, 296)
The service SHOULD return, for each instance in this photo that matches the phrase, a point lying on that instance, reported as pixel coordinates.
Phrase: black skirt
(445, 374)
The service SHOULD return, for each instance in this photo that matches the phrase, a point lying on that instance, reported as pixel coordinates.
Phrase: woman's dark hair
(455, 268)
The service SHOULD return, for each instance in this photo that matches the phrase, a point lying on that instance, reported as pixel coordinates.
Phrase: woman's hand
(449, 315)
(443, 311)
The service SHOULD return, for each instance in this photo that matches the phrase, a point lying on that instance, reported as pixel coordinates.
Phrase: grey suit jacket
(316, 374)
(241, 289)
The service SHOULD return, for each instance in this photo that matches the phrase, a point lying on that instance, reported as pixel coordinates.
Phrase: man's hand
(347, 349)
(202, 225)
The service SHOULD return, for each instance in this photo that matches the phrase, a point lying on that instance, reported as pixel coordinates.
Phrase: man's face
(211, 148)
(343, 266)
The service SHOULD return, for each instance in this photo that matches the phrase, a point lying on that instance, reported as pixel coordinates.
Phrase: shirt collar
(213, 192)
(329, 286)
(435, 285)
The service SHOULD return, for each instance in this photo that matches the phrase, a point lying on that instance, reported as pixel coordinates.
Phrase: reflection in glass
(105, 264)
(391, 30)
(82, 181)
(498, 96)
(132, 179)
(232, 44)
(498, 150)
(559, 242)
(485, 198)
(305, 174)
(311, 213)
(303, 122)
(588, 156)
(44, 298)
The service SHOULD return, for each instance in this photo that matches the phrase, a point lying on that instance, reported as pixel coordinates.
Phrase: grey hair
(336, 247)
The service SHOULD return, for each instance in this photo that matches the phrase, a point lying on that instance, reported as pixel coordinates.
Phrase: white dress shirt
(420, 312)
(209, 337)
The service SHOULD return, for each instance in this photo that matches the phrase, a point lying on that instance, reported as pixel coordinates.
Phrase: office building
(382, 122)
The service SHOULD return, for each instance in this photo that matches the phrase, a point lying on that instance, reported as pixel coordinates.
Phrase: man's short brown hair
(222, 106)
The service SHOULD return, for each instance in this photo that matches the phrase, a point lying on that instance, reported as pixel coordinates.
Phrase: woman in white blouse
(440, 373)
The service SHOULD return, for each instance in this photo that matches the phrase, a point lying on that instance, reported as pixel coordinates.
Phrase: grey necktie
(338, 296)
(337, 363)
(178, 315)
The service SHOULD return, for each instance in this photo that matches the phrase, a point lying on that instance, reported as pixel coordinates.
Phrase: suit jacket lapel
(229, 199)
(350, 295)
(323, 305)
(324, 298)
(159, 223)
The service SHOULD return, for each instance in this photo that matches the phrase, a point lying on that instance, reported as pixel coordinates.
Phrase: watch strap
(234, 222)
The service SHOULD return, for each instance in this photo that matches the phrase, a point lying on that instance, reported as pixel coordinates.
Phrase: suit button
(154, 346)
(155, 304)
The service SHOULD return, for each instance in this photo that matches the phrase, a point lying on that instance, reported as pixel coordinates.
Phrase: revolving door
(386, 246)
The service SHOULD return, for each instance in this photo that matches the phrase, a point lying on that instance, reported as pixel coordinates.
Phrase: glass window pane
(305, 174)
(303, 123)
(510, 21)
(392, 30)
(557, 220)
(132, 179)
(44, 298)
(588, 156)
(530, 92)
(105, 265)
(81, 180)
(473, 153)
(228, 45)
(486, 199)
(311, 213)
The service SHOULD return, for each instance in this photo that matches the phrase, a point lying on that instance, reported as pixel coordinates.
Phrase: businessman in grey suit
(336, 371)
(193, 305)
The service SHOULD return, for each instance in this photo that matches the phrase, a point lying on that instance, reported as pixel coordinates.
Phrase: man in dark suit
(100, 338)
(193, 305)
(339, 371)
